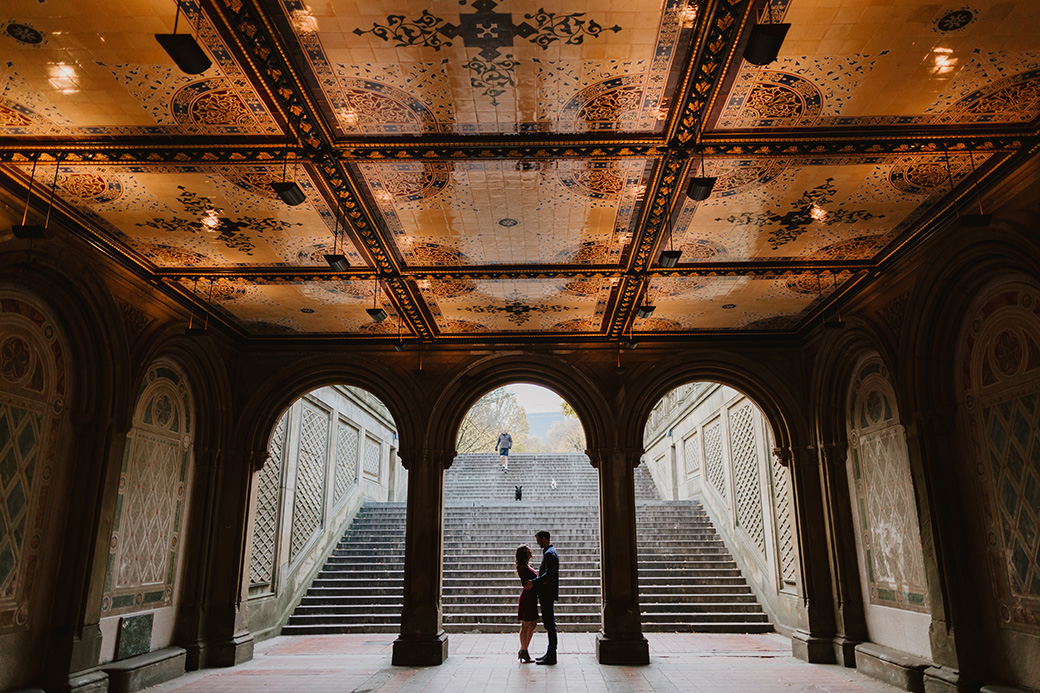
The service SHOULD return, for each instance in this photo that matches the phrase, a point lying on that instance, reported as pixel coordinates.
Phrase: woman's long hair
(523, 555)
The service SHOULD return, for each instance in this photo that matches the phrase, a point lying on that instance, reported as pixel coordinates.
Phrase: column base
(624, 651)
(91, 681)
(812, 649)
(223, 653)
(421, 653)
(945, 680)
(845, 651)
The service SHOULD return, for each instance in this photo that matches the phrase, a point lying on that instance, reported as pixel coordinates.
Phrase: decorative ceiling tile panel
(494, 66)
(508, 212)
(299, 306)
(734, 302)
(207, 216)
(73, 68)
(517, 305)
(893, 62)
(820, 208)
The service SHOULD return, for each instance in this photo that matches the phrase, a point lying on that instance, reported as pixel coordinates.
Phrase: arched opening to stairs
(495, 503)
(327, 518)
(717, 550)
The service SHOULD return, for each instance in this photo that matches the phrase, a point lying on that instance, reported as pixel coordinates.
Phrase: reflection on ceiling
(501, 169)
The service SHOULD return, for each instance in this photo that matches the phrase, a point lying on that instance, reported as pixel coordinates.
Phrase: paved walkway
(679, 663)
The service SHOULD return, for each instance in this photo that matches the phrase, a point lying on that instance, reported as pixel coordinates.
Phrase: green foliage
(493, 413)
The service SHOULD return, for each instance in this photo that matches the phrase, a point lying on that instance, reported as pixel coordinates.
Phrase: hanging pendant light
(376, 313)
(33, 231)
(764, 43)
(337, 261)
(184, 49)
(835, 323)
(289, 191)
(979, 220)
(700, 188)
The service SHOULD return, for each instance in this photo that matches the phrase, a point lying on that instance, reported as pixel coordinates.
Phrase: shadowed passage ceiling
(512, 170)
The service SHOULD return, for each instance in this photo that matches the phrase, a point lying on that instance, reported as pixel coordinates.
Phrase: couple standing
(543, 588)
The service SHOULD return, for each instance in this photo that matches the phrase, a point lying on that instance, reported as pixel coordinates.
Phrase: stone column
(812, 640)
(214, 620)
(955, 632)
(850, 620)
(621, 641)
(422, 641)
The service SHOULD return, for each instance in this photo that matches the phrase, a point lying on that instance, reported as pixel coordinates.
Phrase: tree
(493, 413)
(566, 436)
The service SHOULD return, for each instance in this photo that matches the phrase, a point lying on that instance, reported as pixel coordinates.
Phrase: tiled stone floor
(487, 663)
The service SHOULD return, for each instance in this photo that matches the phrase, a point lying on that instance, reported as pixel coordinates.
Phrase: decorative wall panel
(784, 530)
(744, 448)
(268, 507)
(32, 396)
(152, 489)
(309, 503)
(346, 456)
(714, 468)
(373, 455)
(692, 454)
(887, 509)
(1000, 382)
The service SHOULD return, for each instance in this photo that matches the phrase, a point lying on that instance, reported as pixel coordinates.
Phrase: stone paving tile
(483, 663)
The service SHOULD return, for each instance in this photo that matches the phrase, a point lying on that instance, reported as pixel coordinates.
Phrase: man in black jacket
(547, 585)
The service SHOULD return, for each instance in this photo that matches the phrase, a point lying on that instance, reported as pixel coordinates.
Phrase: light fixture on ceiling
(184, 49)
(629, 343)
(193, 330)
(835, 323)
(645, 311)
(337, 260)
(700, 187)
(979, 220)
(35, 231)
(288, 190)
(376, 313)
(670, 257)
(765, 40)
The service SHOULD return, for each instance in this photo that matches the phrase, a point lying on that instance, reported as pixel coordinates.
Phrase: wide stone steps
(688, 581)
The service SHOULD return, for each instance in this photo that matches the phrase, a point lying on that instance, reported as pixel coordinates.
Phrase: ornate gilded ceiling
(501, 169)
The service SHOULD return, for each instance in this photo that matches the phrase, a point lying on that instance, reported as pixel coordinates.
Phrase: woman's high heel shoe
(524, 657)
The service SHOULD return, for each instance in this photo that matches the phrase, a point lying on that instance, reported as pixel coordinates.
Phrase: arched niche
(884, 512)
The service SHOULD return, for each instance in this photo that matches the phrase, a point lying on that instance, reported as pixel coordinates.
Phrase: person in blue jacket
(505, 441)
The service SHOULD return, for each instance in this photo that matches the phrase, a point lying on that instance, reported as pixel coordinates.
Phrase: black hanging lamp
(376, 313)
(700, 188)
(835, 323)
(184, 49)
(35, 231)
(669, 258)
(979, 220)
(289, 191)
(337, 260)
(193, 329)
(765, 40)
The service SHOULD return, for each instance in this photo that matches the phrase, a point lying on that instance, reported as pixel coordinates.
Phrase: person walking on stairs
(527, 611)
(505, 441)
(547, 587)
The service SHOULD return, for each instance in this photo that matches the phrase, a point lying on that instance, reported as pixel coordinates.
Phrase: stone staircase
(688, 580)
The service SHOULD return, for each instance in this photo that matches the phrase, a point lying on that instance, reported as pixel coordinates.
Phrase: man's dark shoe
(546, 660)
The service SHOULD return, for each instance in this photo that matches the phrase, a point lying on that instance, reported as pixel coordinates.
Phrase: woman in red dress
(527, 612)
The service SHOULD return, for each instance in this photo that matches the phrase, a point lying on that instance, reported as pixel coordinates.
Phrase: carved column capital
(411, 457)
(599, 456)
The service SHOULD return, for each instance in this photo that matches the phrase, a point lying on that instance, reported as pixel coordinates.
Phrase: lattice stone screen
(372, 455)
(713, 464)
(784, 531)
(310, 477)
(692, 455)
(346, 456)
(268, 503)
(744, 446)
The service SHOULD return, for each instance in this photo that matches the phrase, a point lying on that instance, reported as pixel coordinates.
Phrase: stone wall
(332, 450)
(708, 442)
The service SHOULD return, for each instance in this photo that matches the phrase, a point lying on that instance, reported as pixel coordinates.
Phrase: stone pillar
(850, 619)
(812, 641)
(215, 620)
(621, 641)
(955, 630)
(422, 641)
